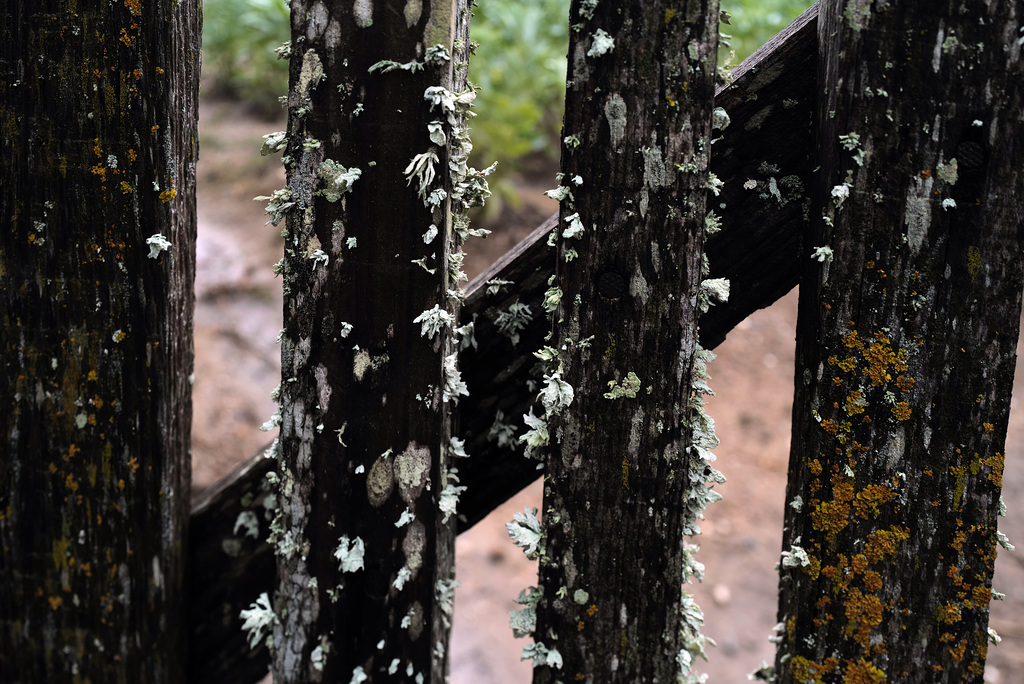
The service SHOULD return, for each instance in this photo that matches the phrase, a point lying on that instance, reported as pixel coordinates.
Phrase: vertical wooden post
(377, 180)
(618, 424)
(98, 110)
(909, 317)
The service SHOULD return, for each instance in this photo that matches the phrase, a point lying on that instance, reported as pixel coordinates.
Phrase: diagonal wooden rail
(765, 159)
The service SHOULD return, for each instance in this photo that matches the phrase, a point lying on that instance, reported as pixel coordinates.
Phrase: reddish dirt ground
(238, 315)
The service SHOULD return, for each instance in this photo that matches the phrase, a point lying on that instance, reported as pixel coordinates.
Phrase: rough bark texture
(98, 118)
(364, 439)
(906, 344)
(634, 163)
(771, 104)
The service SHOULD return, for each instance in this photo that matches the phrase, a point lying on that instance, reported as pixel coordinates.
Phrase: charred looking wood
(764, 157)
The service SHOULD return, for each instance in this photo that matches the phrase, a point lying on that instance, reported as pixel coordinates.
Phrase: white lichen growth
(350, 554)
(404, 519)
(720, 119)
(454, 387)
(157, 243)
(274, 142)
(525, 531)
(542, 655)
(712, 291)
(556, 395)
(512, 320)
(421, 169)
(558, 194)
(502, 433)
(575, 228)
(796, 557)
(278, 204)
(259, 620)
(448, 500)
(840, 193)
(601, 44)
(948, 203)
(337, 179)
(694, 642)
(247, 521)
(401, 578)
(431, 233)
(537, 437)
(432, 321)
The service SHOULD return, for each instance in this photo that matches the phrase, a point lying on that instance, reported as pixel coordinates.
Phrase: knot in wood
(611, 285)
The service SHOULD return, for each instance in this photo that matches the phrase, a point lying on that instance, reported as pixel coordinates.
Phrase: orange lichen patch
(579, 626)
(957, 652)
(847, 365)
(71, 483)
(996, 464)
(54, 602)
(904, 383)
(806, 670)
(881, 544)
(870, 498)
(901, 411)
(830, 517)
(813, 567)
(167, 195)
(815, 466)
(862, 672)
(864, 613)
(830, 426)
(132, 156)
(869, 265)
(872, 580)
(948, 614)
(855, 403)
(99, 170)
(881, 357)
(126, 188)
(592, 610)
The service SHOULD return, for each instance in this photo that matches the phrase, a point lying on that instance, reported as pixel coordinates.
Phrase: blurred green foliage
(239, 37)
(519, 64)
(754, 22)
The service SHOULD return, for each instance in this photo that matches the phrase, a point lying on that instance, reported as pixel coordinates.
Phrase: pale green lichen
(337, 179)
(525, 531)
(542, 655)
(628, 389)
(512, 320)
(448, 501)
(259, 619)
(433, 321)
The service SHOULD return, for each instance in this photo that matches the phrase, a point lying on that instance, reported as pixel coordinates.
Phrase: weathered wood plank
(757, 250)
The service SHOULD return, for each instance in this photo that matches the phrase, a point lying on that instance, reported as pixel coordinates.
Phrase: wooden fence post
(98, 111)
(909, 318)
(626, 469)
(377, 182)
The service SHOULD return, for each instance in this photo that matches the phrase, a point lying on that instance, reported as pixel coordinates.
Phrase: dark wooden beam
(770, 104)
